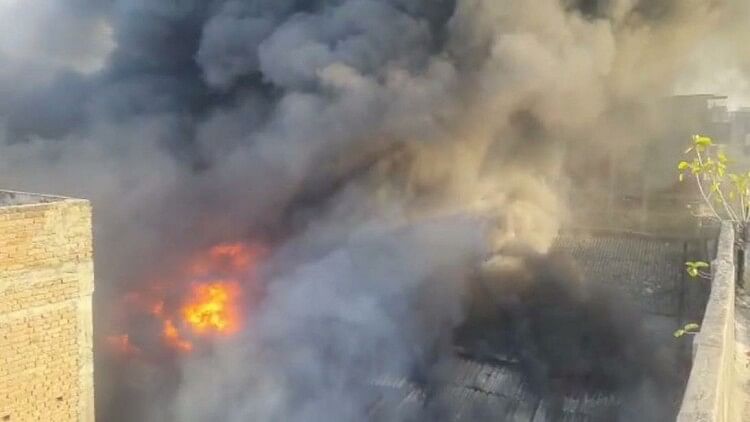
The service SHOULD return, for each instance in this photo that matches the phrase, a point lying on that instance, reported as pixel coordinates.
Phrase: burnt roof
(471, 388)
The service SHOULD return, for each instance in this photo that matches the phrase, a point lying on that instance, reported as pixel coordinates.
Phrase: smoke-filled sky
(379, 145)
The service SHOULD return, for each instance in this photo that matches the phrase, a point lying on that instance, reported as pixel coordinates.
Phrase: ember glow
(226, 258)
(206, 298)
(121, 344)
(173, 338)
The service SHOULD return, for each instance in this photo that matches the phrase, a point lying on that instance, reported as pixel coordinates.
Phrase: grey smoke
(332, 325)
(190, 122)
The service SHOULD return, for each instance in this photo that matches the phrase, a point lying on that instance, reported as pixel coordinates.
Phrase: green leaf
(693, 267)
(702, 141)
(684, 165)
(722, 157)
(701, 264)
(691, 328)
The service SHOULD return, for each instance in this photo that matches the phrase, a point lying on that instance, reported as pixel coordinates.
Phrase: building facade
(46, 287)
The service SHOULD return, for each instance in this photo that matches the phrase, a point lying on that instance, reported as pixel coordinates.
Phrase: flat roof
(707, 96)
(494, 385)
(9, 198)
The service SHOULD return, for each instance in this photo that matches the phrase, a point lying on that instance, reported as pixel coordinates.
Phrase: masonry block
(46, 287)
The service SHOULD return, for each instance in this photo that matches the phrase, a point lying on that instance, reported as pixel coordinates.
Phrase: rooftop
(10, 198)
(496, 385)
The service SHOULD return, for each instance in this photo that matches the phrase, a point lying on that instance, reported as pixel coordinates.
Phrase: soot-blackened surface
(588, 340)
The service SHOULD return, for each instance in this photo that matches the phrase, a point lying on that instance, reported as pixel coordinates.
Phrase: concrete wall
(711, 384)
(46, 284)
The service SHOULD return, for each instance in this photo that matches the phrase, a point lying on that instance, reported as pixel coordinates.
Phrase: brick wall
(46, 283)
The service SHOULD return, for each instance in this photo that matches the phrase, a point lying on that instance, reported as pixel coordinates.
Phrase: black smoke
(570, 336)
(333, 130)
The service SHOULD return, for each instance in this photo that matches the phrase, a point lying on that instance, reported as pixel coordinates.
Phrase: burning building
(296, 198)
(46, 284)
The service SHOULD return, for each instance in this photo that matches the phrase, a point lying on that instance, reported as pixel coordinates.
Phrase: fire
(121, 344)
(221, 284)
(173, 337)
(157, 309)
(226, 258)
(213, 308)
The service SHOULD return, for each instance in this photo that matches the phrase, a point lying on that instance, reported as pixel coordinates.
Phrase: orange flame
(121, 344)
(173, 337)
(157, 309)
(213, 308)
(226, 258)
(219, 278)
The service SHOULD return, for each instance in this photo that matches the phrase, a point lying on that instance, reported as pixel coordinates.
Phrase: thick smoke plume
(382, 147)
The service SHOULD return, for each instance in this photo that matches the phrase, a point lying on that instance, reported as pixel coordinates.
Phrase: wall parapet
(709, 388)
